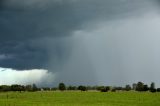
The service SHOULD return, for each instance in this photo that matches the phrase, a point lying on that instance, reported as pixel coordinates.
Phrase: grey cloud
(19, 22)
(22, 21)
(40, 33)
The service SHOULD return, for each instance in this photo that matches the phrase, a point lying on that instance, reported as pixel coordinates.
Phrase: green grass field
(79, 99)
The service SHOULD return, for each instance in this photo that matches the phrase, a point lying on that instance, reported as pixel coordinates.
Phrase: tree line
(20, 88)
(140, 86)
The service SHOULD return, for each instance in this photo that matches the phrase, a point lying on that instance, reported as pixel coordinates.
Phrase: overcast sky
(91, 42)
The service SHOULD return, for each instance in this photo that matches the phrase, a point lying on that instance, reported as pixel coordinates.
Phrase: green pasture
(77, 98)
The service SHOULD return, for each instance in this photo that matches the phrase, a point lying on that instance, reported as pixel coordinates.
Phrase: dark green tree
(140, 86)
(72, 88)
(54, 88)
(134, 85)
(108, 88)
(82, 88)
(152, 87)
(34, 87)
(62, 86)
(28, 87)
(113, 90)
(128, 88)
(146, 88)
(5, 88)
(158, 89)
(103, 88)
(16, 87)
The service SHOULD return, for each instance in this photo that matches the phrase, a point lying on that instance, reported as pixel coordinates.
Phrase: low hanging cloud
(10, 76)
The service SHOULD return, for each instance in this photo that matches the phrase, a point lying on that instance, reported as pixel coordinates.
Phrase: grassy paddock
(79, 99)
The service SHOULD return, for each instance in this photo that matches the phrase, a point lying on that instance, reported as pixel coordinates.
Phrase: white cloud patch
(40, 77)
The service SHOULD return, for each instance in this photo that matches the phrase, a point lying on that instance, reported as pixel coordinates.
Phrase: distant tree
(62, 86)
(54, 88)
(5, 88)
(34, 87)
(128, 88)
(152, 87)
(119, 88)
(145, 87)
(72, 88)
(108, 88)
(93, 88)
(158, 89)
(82, 88)
(99, 88)
(134, 85)
(103, 88)
(46, 89)
(90, 87)
(153, 90)
(140, 86)
(113, 90)
(16, 87)
(28, 88)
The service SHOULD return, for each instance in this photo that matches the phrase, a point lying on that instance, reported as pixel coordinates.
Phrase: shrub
(153, 90)
(82, 88)
(62, 86)
(158, 89)
(113, 90)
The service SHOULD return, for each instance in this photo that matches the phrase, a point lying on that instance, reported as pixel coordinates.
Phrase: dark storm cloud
(26, 26)
(20, 23)
(26, 19)
(23, 23)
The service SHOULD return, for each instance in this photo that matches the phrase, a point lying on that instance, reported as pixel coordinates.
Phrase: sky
(79, 42)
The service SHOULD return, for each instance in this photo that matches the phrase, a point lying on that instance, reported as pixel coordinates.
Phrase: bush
(54, 88)
(127, 88)
(105, 89)
(113, 90)
(62, 86)
(158, 89)
(140, 86)
(17, 88)
(5, 88)
(153, 90)
(72, 88)
(146, 88)
(82, 88)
